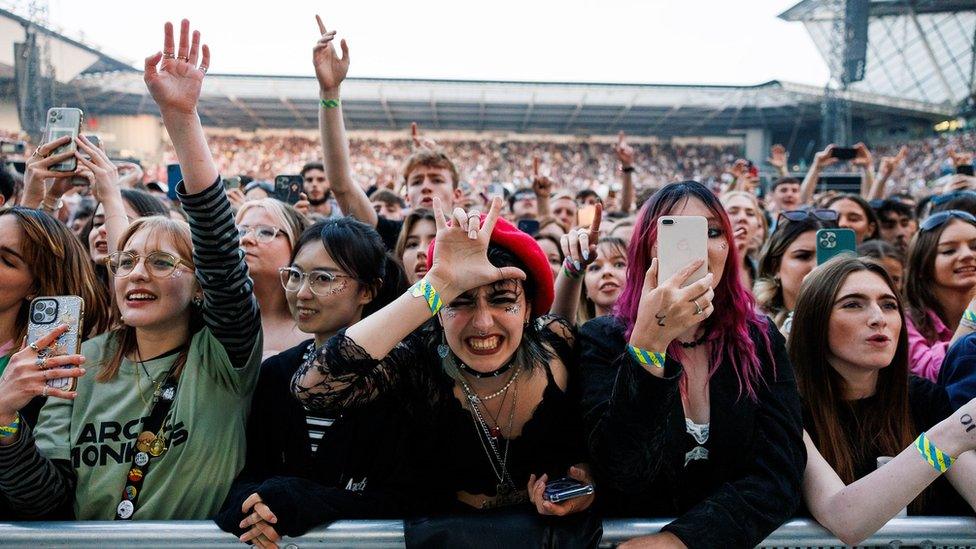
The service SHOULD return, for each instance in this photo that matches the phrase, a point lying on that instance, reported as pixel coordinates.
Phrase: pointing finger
(321, 24)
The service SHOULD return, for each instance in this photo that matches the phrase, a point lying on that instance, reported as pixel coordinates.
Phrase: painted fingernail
(586, 255)
(577, 265)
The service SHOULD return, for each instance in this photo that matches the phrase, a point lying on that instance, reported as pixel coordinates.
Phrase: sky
(633, 41)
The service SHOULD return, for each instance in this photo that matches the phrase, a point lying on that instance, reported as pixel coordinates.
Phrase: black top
(928, 404)
(389, 231)
(550, 442)
(357, 469)
(635, 425)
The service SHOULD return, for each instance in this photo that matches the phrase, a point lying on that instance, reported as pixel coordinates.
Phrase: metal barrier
(927, 532)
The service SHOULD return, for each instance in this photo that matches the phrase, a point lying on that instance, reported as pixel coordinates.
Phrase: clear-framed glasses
(262, 233)
(321, 283)
(159, 264)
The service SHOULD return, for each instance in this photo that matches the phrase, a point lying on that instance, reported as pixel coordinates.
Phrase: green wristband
(939, 460)
(11, 428)
(330, 103)
(647, 357)
(423, 289)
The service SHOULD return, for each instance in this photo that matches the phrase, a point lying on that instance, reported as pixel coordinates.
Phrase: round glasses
(321, 283)
(158, 264)
(262, 233)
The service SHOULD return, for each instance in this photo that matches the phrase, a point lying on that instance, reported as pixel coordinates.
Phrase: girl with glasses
(155, 429)
(940, 277)
(268, 230)
(306, 467)
(871, 427)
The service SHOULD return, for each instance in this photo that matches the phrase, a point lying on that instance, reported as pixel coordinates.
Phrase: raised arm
(174, 78)
(864, 161)
(625, 154)
(542, 187)
(888, 166)
(821, 160)
(95, 166)
(854, 512)
(580, 249)
(330, 71)
(779, 159)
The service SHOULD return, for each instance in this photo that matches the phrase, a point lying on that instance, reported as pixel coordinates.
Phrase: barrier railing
(926, 532)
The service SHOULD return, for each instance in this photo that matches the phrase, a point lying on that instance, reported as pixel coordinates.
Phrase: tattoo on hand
(967, 421)
(660, 318)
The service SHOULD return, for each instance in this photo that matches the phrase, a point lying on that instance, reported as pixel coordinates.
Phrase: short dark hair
(387, 197)
(312, 166)
(518, 191)
(893, 206)
(784, 181)
(6, 184)
(586, 193)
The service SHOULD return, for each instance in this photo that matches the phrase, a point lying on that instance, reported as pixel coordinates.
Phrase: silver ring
(40, 362)
(183, 58)
(204, 68)
(698, 308)
(34, 347)
(169, 55)
(44, 391)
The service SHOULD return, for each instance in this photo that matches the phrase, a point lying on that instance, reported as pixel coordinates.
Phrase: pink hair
(735, 308)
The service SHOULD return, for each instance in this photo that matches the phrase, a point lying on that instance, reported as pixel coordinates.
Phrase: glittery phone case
(62, 121)
(49, 312)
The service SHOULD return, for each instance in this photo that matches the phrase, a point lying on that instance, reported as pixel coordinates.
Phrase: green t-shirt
(205, 431)
(3, 363)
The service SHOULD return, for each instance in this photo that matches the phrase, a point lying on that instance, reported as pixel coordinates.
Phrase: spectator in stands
(897, 223)
(268, 230)
(388, 205)
(562, 206)
(490, 352)
(550, 246)
(940, 279)
(862, 160)
(788, 256)
(623, 229)
(661, 445)
(418, 232)
(784, 195)
(853, 212)
(196, 340)
(40, 258)
(588, 197)
(256, 190)
(955, 200)
(308, 468)
(319, 191)
(523, 204)
(850, 350)
(749, 231)
(604, 279)
(888, 257)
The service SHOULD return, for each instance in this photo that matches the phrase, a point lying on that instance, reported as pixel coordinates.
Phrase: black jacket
(357, 471)
(635, 423)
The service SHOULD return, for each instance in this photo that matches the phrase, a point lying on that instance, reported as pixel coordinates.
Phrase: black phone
(288, 188)
(528, 226)
(566, 488)
(965, 169)
(844, 153)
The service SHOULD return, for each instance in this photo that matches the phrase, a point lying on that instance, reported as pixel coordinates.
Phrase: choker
(695, 343)
(483, 375)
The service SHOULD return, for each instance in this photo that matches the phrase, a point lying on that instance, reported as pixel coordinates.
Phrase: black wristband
(628, 169)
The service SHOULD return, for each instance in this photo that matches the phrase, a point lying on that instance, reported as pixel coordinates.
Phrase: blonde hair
(178, 233)
(763, 224)
(290, 221)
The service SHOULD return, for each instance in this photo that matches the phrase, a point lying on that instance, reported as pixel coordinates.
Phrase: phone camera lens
(668, 222)
(38, 317)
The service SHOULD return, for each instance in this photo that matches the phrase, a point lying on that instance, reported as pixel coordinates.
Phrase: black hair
(586, 193)
(922, 206)
(865, 207)
(511, 198)
(6, 184)
(897, 207)
(784, 181)
(358, 249)
(964, 201)
(312, 166)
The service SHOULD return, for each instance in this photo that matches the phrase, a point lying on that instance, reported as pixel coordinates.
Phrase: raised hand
(101, 173)
(461, 251)
(824, 158)
(625, 153)
(863, 157)
(330, 70)
(778, 157)
(541, 185)
(960, 158)
(174, 79)
(667, 310)
(419, 141)
(40, 181)
(891, 163)
(579, 245)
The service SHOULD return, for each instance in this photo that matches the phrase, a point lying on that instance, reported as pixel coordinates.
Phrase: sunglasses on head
(822, 214)
(943, 198)
(938, 219)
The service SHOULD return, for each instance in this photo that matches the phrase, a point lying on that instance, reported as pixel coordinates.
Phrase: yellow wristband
(647, 357)
(423, 289)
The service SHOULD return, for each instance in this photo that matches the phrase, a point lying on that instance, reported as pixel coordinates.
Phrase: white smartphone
(681, 239)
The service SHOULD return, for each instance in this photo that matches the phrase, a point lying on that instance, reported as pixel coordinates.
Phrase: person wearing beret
(483, 369)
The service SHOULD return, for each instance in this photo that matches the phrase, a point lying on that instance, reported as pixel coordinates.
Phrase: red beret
(507, 236)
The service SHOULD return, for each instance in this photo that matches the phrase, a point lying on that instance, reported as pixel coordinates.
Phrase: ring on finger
(182, 58)
(40, 362)
(698, 308)
(169, 55)
(204, 69)
(44, 391)
(34, 347)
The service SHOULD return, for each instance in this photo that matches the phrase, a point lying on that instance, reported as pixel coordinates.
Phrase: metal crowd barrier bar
(926, 532)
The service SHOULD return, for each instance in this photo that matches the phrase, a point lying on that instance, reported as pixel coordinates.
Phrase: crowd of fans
(499, 366)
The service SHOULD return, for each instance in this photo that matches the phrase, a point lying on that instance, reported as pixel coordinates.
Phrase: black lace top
(550, 442)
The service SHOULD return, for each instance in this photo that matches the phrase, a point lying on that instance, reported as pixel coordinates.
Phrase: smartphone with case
(585, 216)
(844, 153)
(47, 313)
(62, 121)
(681, 239)
(288, 188)
(833, 242)
(565, 488)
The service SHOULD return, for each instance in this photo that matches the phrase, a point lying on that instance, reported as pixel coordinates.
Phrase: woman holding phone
(690, 405)
(168, 389)
(850, 350)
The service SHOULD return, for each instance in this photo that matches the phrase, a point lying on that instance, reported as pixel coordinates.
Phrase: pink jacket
(925, 356)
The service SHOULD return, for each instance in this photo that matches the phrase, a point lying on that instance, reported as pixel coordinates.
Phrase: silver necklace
(499, 465)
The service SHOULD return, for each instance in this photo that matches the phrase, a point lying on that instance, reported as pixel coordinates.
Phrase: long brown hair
(178, 233)
(60, 266)
(889, 425)
(919, 277)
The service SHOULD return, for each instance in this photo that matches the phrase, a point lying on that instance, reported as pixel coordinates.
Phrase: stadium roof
(918, 49)
(250, 101)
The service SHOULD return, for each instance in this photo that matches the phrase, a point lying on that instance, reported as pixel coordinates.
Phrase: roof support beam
(928, 50)
(386, 110)
(572, 118)
(247, 110)
(528, 113)
(294, 111)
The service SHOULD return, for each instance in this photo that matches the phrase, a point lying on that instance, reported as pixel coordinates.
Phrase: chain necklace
(504, 389)
(499, 465)
(154, 385)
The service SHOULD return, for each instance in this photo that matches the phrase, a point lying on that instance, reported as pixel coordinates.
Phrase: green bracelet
(10, 429)
(570, 270)
(330, 103)
(647, 357)
(939, 460)
(423, 289)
